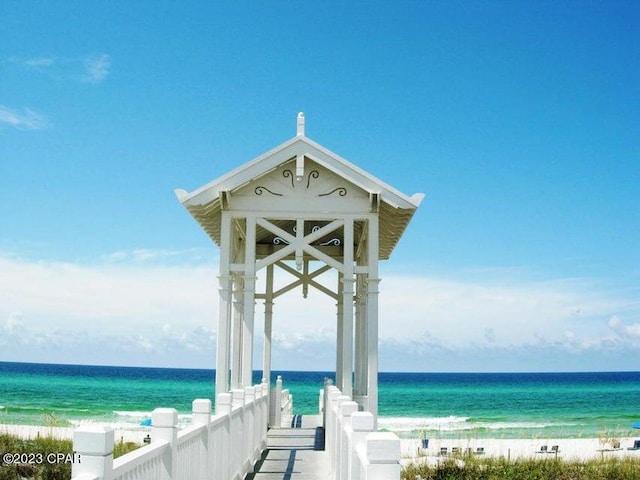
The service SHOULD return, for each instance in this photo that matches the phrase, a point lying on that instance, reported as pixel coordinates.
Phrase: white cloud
(92, 68)
(135, 307)
(25, 119)
(40, 62)
(96, 68)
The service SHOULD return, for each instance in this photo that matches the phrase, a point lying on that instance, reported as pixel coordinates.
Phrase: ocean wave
(407, 424)
(132, 414)
(453, 423)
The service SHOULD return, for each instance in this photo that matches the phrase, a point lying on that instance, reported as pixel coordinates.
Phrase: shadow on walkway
(292, 453)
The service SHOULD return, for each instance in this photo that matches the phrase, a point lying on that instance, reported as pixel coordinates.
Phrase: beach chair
(455, 450)
(479, 451)
(636, 445)
(543, 449)
(444, 451)
(555, 449)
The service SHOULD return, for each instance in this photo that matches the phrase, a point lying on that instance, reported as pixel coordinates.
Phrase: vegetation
(45, 458)
(535, 469)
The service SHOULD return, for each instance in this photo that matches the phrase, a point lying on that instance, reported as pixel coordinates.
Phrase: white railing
(355, 451)
(223, 446)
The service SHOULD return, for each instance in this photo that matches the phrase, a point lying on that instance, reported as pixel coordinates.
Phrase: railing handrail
(129, 461)
(199, 451)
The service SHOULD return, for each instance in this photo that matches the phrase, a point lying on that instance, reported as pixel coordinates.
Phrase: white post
(383, 456)
(222, 466)
(249, 425)
(361, 426)
(361, 353)
(330, 426)
(249, 308)
(339, 333)
(224, 308)
(337, 434)
(238, 437)
(201, 409)
(347, 409)
(347, 310)
(265, 413)
(164, 426)
(236, 339)
(276, 405)
(372, 318)
(268, 322)
(93, 452)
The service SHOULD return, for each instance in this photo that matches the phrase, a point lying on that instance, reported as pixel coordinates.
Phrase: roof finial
(300, 130)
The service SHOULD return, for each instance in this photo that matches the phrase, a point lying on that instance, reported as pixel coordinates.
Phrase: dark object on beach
(425, 443)
(636, 445)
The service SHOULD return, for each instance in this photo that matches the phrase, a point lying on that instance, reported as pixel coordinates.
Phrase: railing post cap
(223, 398)
(164, 417)
(333, 394)
(362, 421)
(93, 440)
(348, 408)
(201, 405)
(383, 447)
(340, 399)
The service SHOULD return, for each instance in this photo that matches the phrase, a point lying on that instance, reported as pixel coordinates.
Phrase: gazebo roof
(395, 208)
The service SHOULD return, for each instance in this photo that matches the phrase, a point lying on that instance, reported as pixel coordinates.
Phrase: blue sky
(518, 120)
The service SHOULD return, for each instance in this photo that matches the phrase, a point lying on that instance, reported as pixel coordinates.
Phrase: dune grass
(37, 450)
(535, 469)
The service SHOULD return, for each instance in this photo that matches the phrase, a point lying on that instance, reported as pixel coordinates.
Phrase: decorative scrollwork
(259, 190)
(279, 241)
(312, 174)
(289, 174)
(333, 242)
(341, 191)
(315, 228)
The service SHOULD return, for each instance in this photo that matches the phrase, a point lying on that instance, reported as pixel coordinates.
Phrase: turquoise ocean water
(445, 405)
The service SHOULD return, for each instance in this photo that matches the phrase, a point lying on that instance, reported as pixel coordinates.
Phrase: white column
(347, 310)
(339, 334)
(372, 317)
(268, 320)
(360, 357)
(236, 342)
(224, 309)
(249, 308)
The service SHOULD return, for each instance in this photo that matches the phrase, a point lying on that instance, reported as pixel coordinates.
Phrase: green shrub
(45, 446)
(535, 469)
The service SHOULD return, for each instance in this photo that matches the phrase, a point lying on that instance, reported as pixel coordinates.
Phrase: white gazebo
(292, 207)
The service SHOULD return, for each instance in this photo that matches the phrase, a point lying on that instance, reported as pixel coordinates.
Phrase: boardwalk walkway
(295, 452)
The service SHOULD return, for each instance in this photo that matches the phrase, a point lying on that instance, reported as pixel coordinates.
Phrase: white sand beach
(34, 431)
(580, 449)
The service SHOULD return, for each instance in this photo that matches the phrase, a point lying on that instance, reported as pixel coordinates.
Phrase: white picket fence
(223, 446)
(355, 450)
